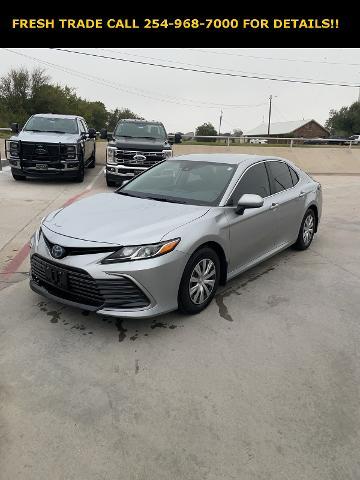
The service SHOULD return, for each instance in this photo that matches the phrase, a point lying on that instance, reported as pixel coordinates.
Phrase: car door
(287, 201)
(88, 143)
(252, 233)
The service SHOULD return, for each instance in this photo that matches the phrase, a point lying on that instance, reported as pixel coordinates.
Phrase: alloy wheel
(308, 229)
(202, 281)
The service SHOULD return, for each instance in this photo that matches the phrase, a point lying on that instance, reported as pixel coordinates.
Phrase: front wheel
(17, 177)
(81, 172)
(110, 183)
(199, 281)
(92, 161)
(307, 231)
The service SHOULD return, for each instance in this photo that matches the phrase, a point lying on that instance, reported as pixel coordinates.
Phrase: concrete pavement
(263, 385)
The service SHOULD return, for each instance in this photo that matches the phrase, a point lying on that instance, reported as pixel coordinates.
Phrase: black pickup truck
(51, 145)
(134, 146)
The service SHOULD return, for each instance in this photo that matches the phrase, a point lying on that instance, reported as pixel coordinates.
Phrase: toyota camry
(170, 236)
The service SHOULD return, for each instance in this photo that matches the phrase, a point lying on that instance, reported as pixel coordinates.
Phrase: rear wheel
(199, 281)
(307, 230)
(17, 177)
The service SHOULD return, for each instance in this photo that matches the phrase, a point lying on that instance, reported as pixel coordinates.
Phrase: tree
(345, 121)
(206, 129)
(24, 93)
(115, 115)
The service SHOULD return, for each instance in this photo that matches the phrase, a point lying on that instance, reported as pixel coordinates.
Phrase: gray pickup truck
(51, 145)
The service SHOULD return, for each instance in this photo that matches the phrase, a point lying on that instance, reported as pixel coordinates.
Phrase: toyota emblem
(58, 251)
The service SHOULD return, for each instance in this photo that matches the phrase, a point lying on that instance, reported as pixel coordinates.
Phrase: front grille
(79, 250)
(44, 152)
(78, 286)
(126, 157)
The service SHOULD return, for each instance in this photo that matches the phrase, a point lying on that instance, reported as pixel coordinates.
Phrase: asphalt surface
(263, 385)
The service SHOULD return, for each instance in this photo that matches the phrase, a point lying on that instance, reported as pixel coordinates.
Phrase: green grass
(5, 134)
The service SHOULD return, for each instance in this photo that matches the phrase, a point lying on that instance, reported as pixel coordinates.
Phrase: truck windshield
(140, 130)
(53, 124)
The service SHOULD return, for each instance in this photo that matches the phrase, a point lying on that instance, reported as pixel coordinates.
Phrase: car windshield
(182, 181)
(140, 130)
(51, 124)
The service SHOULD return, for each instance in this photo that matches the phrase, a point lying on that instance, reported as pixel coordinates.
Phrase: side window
(255, 181)
(82, 126)
(279, 176)
(294, 176)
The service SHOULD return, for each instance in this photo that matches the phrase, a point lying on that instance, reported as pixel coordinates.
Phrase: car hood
(46, 137)
(142, 144)
(119, 220)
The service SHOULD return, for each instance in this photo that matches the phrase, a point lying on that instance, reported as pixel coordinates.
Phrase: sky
(182, 100)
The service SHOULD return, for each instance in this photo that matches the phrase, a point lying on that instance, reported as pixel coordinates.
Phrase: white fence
(291, 141)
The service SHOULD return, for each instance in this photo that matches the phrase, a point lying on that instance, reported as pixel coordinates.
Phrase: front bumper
(116, 173)
(157, 278)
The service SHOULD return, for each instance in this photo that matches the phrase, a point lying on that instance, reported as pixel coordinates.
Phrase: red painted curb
(15, 262)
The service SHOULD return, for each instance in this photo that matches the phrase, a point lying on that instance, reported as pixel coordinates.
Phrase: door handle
(273, 206)
(301, 194)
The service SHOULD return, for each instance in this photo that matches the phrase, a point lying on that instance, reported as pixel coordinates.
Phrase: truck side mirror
(104, 134)
(92, 133)
(15, 127)
(177, 137)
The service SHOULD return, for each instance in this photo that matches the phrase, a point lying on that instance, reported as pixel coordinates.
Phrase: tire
(92, 161)
(307, 231)
(189, 297)
(81, 172)
(17, 177)
(110, 183)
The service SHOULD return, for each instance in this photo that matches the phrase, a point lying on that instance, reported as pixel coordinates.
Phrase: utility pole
(221, 114)
(359, 95)
(270, 100)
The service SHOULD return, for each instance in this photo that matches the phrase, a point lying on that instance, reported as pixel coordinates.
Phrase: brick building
(298, 128)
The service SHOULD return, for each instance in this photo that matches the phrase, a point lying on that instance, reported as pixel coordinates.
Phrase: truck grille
(78, 286)
(44, 152)
(126, 157)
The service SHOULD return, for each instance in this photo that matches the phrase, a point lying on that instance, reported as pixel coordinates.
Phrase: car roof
(236, 159)
(57, 115)
(140, 120)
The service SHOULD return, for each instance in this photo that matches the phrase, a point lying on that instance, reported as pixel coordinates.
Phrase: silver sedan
(171, 235)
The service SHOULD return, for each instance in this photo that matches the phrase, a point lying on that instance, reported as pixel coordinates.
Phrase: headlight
(140, 252)
(71, 151)
(14, 149)
(167, 153)
(110, 155)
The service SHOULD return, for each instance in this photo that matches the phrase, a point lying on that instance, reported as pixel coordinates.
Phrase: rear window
(280, 176)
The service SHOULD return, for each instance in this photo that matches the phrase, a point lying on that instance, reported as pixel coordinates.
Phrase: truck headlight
(71, 151)
(110, 155)
(14, 149)
(167, 153)
(140, 252)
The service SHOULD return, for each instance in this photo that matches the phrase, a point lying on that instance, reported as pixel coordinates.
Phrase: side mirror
(248, 200)
(177, 137)
(92, 133)
(104, 134)
(15, 127)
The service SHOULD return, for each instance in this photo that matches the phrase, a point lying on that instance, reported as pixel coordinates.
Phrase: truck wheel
(110, 183)
(17, 177)
(81, 172)
(92, 160)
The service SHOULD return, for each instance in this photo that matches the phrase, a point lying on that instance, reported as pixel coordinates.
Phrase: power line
(274, 58)
(206, 66)
(120, 87)
(226, 74)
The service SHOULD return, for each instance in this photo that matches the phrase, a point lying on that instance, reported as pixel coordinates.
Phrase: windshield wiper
(127, 194)
(164, 199)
